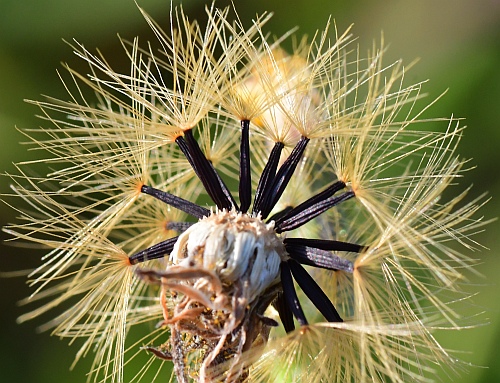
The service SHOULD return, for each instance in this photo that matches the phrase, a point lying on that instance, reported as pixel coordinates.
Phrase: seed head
(280, 217)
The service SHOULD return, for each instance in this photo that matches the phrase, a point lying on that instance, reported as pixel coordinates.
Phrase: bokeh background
(457, 41)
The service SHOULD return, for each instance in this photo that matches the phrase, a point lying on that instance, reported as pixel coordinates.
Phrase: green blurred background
(457, 41)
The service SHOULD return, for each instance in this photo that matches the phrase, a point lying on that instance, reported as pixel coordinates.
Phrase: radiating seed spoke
(283, 176)
(213, 184)
(245, 187)
(154, 252)
(291, 295)
(267, 175)
(186, 206)
(285, 313)
(318, 258)
(300, 218)
(314, 292)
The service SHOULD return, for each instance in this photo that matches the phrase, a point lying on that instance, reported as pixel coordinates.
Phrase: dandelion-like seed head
(255, 215)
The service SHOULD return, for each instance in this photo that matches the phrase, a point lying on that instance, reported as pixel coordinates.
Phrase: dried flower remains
(255, 215)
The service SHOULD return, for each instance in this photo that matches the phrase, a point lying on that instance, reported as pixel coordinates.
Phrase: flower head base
(260, 192)
(219, 272)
